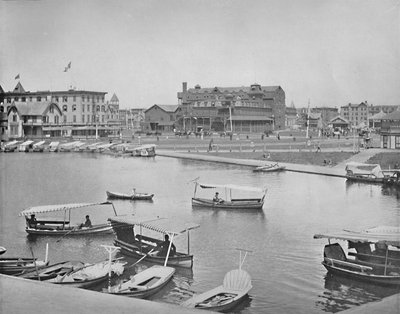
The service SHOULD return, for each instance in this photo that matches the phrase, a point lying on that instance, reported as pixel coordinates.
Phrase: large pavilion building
(254, 108)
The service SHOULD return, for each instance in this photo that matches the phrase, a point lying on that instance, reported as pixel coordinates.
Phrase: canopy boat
(61, 227)
(68, 147)
(269, 168)
(88, 275)
(39, 146)
(229, 202)
(145, 283)
(148, 150)
(25, 146)
(141, 246)
(104, 147)
(378, 265)
(53, 147)
(10, 146)
(52, 271)
(371, 173)
(133, 196)
(92, 147)
(392, 179)
(234, 289)
(80, 146)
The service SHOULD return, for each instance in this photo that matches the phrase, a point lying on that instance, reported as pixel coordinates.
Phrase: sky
(326, 53)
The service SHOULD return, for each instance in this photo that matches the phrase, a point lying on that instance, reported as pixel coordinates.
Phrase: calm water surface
(285, 265)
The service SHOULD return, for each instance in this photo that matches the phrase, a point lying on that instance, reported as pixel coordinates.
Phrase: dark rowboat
(52, 271)
(269, 168)
(18, 265)
(133, 196)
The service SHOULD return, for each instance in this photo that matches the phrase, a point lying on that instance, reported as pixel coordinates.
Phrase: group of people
(32, 222)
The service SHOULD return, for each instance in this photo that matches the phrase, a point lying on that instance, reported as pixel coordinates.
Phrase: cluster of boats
(372, 173)
(146, 150)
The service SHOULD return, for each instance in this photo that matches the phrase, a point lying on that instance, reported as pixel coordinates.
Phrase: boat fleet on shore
(372, 173)
(118, 148)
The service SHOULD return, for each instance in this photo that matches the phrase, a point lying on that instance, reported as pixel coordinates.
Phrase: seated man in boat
(86, 224)
(32, 222)
(216, 198)
(164, 246)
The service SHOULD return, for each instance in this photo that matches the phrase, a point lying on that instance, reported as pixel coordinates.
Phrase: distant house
(339, 123)
(376, 120)
(34, 120)
(390, 130)
(161, 118)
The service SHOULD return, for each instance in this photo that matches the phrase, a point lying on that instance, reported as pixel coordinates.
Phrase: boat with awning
(10, 146)
(129, 231)
(61, 227)
(230, 201)
(38, 146)
(373, 255)
(24, 147)
(147, 150)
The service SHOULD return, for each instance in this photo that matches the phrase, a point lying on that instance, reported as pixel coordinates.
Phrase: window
(9, 100)
(14, 118)
(74, 98)
(98, 108)
(88, 108)
(56, 98)
(65, 108)
(74, 118)
(397, 142)
(38, 98)
(56, 119)
(88, 98)
(44, 119)
(83, 118)
(23, 99)
(83, 108)
(65, 98)
(88, 118)
(83, 98)
(102, 118)
(30, 98)
(16, 98)
(73, 107)
(97, 98)
(103, 108)
(34, 119)
(65, 119)
(171, 117)
(385, 141)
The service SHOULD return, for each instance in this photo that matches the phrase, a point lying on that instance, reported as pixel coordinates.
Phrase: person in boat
(86, 224)
(216, 198)
(164, 246)
(32, 222)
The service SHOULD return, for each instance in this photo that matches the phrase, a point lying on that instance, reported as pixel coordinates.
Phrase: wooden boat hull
(269, 169)
(145, 283)
(179, 260)
(15, 265)
(255, 204)
(364, 179)
(137, 196)
(98, 229)
(375, 279)
(52, 271)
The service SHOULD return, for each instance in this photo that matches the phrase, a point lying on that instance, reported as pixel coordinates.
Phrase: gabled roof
(339, 118)
(395, 115)
(166, 108)
(18, 88)
(246, 89)
(35, 109)
(378, 116)
(114, 98)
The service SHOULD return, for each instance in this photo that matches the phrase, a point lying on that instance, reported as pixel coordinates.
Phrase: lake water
(285, 265)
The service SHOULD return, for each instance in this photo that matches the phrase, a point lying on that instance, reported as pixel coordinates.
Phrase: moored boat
(362, 172)
(39, 146)
(377, 265)
(244, 203)
(52, 271)
(134, 196)
(145, 283)
(18, 265)
(269, 168)
(61, 227)
(148, 150)
(53, 146)
(234, 289)
(25, 146)
(10, 146)
(141, 246)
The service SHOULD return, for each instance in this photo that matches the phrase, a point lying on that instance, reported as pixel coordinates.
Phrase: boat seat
(237, 279)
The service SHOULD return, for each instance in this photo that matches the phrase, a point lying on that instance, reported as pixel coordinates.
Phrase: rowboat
(10, 146)
(88, 275)
(141, 246)
(145, 283)
(52, 271)
(92, 147)
(68, 147)
(53, 146)
(61, 227)
(39, 146)
(18, 265)
(148, 150)
(234, 289)
(133, 196)
(372, 255)
(229, 202)
(269, 168)
(25, 146)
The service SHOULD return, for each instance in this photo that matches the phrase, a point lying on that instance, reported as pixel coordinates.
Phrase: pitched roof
(114, 98)
(378, 116)
(18, 88)
(395, 115)
(339, 118)
(166, 108)
(246, 89)
(35, 109)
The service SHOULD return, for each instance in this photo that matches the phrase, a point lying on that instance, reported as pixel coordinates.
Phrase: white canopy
(54, 208)
(26, 143)
(230, 187)
(361, 168)
(11, 143)
(170, 226)
(39, 143)
(145, 146)
(384, 234)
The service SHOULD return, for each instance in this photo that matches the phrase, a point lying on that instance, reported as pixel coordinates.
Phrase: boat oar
(142, 258)
(65, 235)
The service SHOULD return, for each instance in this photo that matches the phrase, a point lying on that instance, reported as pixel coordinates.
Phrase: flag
(69, 65)
(17, 77)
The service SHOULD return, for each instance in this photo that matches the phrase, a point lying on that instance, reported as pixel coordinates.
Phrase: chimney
(184, 87)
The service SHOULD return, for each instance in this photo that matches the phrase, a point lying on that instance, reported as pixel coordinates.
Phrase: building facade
(390, 130)
(239, 109)
(356, 114)
(161, 118)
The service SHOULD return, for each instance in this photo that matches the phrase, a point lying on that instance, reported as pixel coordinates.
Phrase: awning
(171, 226)
(383, 234)
(145, 146)
(26, 143)
(230, 186)
(54, 208)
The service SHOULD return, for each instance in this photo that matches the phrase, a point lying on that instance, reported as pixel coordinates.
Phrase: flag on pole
(17, 77)
(67, 67)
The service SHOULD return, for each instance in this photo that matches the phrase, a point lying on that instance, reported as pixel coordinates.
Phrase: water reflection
(342, 293)
(394, 191)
